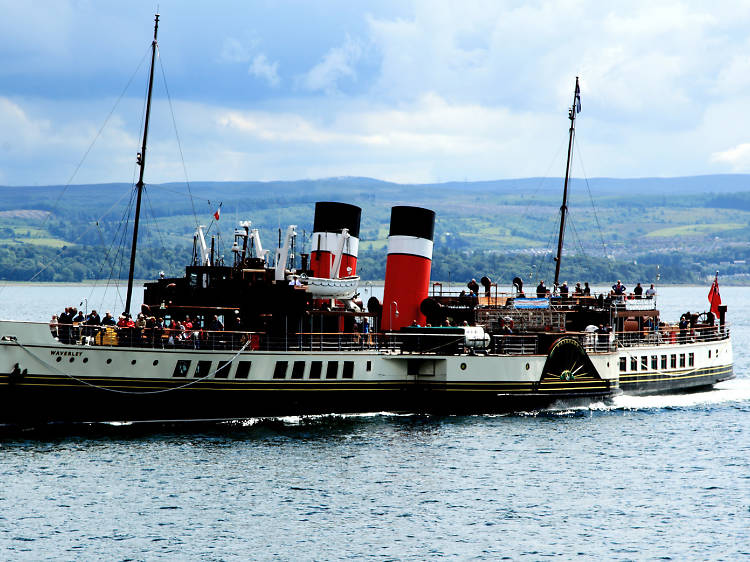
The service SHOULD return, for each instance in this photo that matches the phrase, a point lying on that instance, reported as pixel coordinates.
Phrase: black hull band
(42, 399)
(656, 383)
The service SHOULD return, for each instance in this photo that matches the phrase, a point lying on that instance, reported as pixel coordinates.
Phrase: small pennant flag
(217, 214)
(578, 98)
(714, 297)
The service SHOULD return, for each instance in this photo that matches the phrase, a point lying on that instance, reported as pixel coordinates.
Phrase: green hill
(693, 224)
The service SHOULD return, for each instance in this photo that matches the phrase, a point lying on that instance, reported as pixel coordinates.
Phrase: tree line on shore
(27, 262)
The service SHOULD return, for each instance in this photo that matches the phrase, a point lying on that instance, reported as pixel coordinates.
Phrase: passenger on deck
(108, 320)
(473, 287)
(53, 326)
(140, 328)
(586, 289)
(216, 328)
(638, 291)
(684, 323)
(650, 292)
(159, 332)
(78, 323)
(618, 289)
(92, 322)
(564, 290)
(366, 331)
(65, 330)
(578, 290)
(541, 290)
(238, 338)
(148, 331)
(216, 325)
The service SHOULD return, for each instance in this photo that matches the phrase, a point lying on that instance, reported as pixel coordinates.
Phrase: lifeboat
(325, 288)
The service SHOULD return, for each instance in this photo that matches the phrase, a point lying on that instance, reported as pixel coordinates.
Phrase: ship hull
(670, 368)
(42, 380)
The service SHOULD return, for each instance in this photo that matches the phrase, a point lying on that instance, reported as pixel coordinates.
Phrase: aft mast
(141, 159)
(572, 112)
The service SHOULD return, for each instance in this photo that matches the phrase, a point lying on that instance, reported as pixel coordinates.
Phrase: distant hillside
(704, 219)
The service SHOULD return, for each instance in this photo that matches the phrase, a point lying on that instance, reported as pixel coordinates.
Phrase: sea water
(664, 477)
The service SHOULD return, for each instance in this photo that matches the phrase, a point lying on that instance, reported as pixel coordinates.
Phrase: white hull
(257, 383)
(43, 379)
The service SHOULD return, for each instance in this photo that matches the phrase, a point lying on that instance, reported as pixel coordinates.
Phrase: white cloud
(443, 90)
(266, 70)
(737, 157)
(337, 63)
(233, 50)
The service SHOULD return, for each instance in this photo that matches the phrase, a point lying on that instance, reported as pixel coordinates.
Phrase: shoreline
(364, 284)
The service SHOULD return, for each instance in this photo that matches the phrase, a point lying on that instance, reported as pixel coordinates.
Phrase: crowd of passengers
(72, 326)
(618, 290)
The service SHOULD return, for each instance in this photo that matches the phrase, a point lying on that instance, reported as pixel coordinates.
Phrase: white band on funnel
(410, 245)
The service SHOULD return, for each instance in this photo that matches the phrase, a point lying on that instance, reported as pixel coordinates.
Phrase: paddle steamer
(271, 338)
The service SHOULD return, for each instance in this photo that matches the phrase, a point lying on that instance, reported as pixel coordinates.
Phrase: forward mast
(572, 112)
(141, 160)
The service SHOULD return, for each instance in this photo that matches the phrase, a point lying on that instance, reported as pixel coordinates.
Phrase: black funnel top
(412, 221)
(332, 217)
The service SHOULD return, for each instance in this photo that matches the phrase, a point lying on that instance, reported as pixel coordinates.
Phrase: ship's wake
(724, 393)
(736, 390)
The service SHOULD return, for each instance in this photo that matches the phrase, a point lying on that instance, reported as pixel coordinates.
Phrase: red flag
(714, 297)
(217, 213)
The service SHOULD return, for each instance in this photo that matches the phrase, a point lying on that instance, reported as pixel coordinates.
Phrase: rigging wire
(119, 247)
(591, 198)
(152, 215)
(536, 261)
(125, 230)
(177, 136)
(54, 205)
(607, 260)
(109, 248)
(76, 239)
(542, 180)
(101, 267)
(98, 134)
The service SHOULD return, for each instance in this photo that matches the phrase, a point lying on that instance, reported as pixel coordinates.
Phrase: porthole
(109, 361)
(528, 366)
(58, 359)
(463, 366)
(156, 362)
(85, 359)
(607, 363)
(132, 362)
(72, 359)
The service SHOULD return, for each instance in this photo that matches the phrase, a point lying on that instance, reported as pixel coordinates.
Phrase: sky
(406, 91)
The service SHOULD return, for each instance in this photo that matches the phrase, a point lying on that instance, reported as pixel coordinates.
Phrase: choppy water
(646, 478)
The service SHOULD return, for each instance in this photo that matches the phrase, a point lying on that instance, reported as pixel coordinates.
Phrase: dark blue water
(645, 478)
